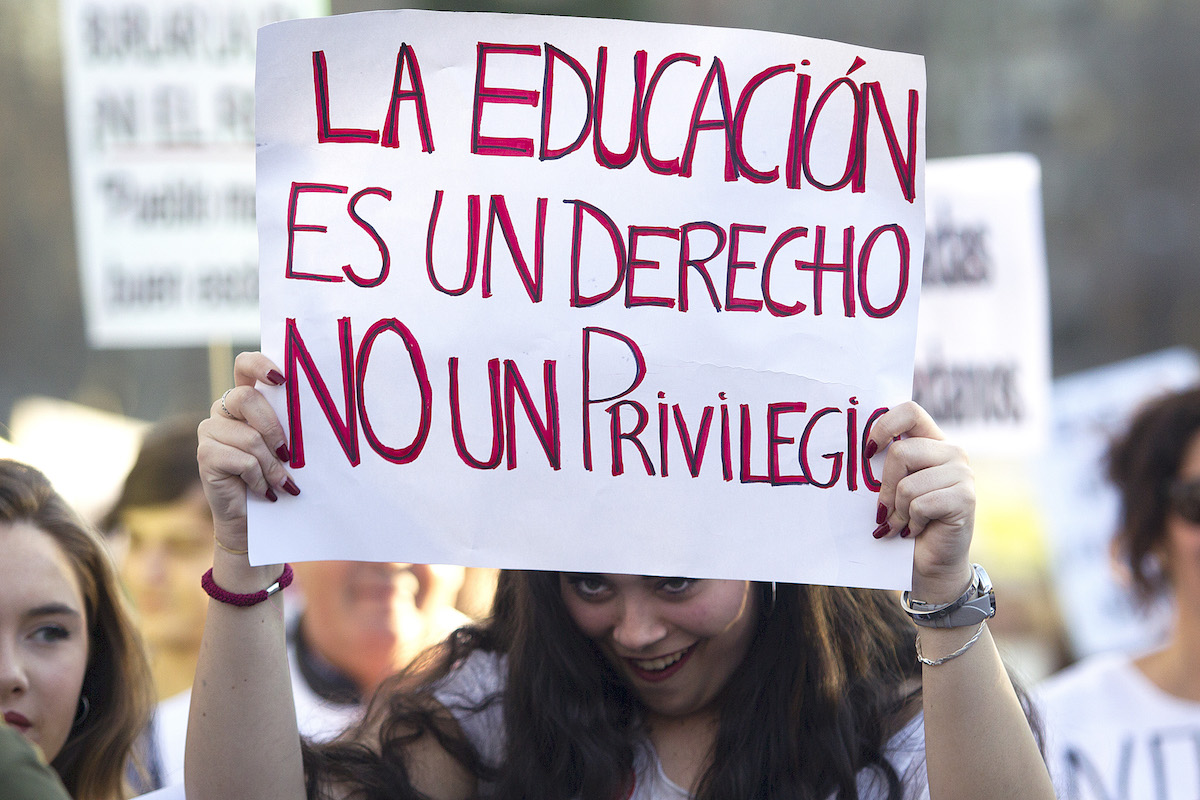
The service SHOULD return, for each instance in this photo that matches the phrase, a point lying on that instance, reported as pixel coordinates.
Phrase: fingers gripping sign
(242, 445)
(927, 491)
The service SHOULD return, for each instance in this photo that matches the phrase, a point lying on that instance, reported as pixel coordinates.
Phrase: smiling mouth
(659, 669)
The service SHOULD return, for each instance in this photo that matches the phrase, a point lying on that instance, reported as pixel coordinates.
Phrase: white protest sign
(1082, 508)
(586, 294)
(160, 123)
(983, 336)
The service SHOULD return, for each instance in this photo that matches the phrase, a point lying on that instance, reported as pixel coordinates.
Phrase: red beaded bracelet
(221, 595)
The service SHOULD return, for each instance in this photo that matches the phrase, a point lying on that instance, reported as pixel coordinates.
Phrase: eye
(49, 634)
(676, 586)
(588, 586)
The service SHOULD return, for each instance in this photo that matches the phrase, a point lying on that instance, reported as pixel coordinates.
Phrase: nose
(638, 624)
(155, 565)
(13, 680)
(425, 579)
(146, 563)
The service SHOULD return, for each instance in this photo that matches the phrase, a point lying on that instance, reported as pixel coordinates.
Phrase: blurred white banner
(983, 333)
(160, 124)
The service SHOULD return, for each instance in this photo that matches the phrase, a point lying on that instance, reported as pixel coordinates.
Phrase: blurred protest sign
(579, 294)
(1082, 507)
(160, 123)
(983, 369)
(983, 336)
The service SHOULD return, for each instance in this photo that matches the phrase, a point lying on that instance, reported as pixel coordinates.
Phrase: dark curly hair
(1143, 463)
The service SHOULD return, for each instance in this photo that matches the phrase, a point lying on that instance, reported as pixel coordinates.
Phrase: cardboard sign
(160, 118)
(586, 294)
(983, 335)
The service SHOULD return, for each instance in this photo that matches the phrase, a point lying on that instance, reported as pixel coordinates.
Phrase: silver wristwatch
(976, 604)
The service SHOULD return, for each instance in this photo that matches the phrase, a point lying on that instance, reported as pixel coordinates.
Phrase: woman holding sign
(603, 687)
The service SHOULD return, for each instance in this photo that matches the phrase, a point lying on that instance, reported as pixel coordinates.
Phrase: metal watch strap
(976, 604)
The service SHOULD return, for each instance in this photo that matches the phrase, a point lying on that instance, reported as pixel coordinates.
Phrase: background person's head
(370, 619)
(72, 670)
(163, 527)
(1152, 464)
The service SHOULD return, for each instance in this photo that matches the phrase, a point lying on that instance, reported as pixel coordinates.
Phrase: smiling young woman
(73, 675)
(632, 687)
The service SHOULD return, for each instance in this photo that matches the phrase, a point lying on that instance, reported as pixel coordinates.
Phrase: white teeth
(659, 664)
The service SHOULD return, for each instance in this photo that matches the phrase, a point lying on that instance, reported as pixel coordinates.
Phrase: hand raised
(242, 445)
(927, 491)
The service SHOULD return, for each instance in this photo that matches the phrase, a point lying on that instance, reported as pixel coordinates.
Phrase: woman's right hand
(242, 445)
(242, 739)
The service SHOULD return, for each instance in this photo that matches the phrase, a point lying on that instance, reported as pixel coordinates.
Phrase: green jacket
(23, 773)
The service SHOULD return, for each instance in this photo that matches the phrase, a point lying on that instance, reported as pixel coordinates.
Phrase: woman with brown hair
(73, 674)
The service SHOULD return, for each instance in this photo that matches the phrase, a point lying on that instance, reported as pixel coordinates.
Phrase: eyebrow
(53, 609)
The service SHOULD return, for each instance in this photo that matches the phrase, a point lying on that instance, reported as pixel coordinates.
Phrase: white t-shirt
(319, 720)
(482, 676)
(1113, 735)
(174, 792)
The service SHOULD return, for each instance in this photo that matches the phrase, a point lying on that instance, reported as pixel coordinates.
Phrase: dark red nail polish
(291, 488)
(271, 494)
(882, 531)
(283, 453)
(276, 377)
(870, 449)
(881, 514)
(904, 532)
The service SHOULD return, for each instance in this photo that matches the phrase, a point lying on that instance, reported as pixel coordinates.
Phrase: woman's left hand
(928, 492)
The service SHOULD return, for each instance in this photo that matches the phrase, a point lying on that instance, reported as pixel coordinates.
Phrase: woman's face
(1182, 540)
(43, 637)
(676, 641)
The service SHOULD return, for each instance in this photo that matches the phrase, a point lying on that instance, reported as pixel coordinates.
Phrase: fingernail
(870, 449)
(881, 514)
(291, 488)
(904, 532)
(276, 377)
(882, 531)
(283, 453)
(271, 494)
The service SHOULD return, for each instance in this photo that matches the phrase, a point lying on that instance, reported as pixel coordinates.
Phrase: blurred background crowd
(1094, 90)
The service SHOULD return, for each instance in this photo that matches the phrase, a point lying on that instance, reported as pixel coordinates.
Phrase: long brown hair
(120, 696)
